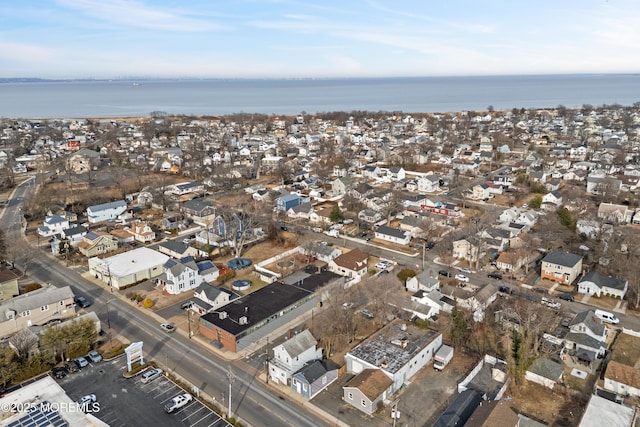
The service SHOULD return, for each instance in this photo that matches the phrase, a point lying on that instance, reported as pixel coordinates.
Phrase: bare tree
(24, 343)
(239, 229)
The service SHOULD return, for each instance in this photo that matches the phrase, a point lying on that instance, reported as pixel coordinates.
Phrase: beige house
(36, 308)
(142, 232)
(367, 390)
(96, 243)
(351, 264)
(8, 285)
(128, 268)
(561, 267)
(465, 249)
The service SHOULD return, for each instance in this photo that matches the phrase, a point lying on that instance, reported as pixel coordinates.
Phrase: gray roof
(299, 343)
(547, 368)
(562, 258)
(315, 369)
(585, 340)
(590, 320)
(105, 206)
(36, 299)
(603, 281)
(394, 232)
(175, 246)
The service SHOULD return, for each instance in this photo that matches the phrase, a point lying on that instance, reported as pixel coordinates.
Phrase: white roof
(602, 412)
(130, 262)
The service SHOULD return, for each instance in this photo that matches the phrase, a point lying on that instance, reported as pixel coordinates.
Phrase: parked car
(186, 305)
(168, 327)
(238, 263)
(540, 290)
(81, 362)
(81, 301)
(566, 322)
(59, 373)
(178, 402)
(444, 273)
(86, 400)
(566, 297)
(495, 275)
(461, 278)
(504, 289)
(94, 356)
(549, 302)
(347, 305)
(150, 375)
(465, 270)
(383, 264)
(71, 367)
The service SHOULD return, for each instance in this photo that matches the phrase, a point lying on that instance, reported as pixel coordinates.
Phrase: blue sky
(316, 38)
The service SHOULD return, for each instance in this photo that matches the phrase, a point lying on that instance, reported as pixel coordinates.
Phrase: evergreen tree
(336, 214)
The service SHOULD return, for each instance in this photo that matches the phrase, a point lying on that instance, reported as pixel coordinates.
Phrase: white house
(587, 333)
(594, 283)
(622, 379)
(209, 298)
(351, 264)
(545, 372)
(106, 211)
(426, 281)
(291, 355)
(142, 232)
(53, 224)
(394, 235)
(179, 276)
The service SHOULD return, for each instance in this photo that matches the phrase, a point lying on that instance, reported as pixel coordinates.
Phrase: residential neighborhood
(336, 254)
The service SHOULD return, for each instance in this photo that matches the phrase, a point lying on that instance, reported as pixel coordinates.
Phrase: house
(460, 410)
(480, 191)
(303, 210)
(434, 299)
(142, 232)
(321, 215)
(428, 184)
(394, 235)
(314, 377)
(399, 350)
(622, 379)
(594, 283)
(351, 264)
(617, 214)
(53, 224)
(106, 211)
(603, 412)
(208, 270)
(122, 235)
(466, 249)
(128, 268)
(552, 200)
(179, 276)
(322, 252)
(36, 308)
(8, 285)
(96, 243)
(396, 173)
(587, 334)
(176, 249)
(495, 413)
(200, 211)
(369, 215)
(209, 298)
(561, 267)
(286, 202)
(83, 161)
(426, 280)
(545, 372)
(339, 186)
(292, 355)
(367, 390)
(185, 188)
(74, 235)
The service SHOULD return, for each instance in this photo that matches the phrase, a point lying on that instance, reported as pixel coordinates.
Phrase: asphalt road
(251, 400)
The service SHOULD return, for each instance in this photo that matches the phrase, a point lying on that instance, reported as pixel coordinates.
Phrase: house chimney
(430, 273)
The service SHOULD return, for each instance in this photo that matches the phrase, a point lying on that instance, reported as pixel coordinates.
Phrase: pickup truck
(178, 402)
(443, 357)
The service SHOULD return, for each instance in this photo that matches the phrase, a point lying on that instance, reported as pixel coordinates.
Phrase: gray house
(314, 377)
(367, 390)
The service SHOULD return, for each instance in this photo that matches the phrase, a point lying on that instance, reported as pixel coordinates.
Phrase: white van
(607, 317)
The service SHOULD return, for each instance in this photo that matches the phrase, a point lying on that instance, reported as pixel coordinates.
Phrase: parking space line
(191, 415)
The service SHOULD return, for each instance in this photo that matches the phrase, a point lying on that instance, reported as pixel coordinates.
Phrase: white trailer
(443, 357)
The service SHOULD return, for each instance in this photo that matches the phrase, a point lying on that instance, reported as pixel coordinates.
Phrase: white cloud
(136, 14)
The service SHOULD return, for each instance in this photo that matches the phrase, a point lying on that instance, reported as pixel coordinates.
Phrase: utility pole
(231, 377)
(189, 321)
(108, 320)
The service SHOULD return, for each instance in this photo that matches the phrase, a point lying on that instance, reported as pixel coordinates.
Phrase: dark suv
(445, 273)
(566, 297)
(495, 275)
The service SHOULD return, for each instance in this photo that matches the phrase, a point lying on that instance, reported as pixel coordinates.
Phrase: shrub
(32, 287)
(227, 275)
(405, 273)
(148, 303)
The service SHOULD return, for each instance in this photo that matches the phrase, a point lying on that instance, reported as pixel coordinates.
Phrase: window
(324, 380)
(61, 302)
(363, 402)
(350, 396)
(26, 313)
(44, 308)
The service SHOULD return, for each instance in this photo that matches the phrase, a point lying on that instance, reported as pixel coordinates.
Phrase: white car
(86, 400)
(178, 402)
(461, 278)
(383, 264)
(550, 303)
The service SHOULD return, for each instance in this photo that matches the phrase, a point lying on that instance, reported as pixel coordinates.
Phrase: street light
(108, 320)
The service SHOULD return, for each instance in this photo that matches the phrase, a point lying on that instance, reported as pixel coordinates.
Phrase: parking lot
(125, 402)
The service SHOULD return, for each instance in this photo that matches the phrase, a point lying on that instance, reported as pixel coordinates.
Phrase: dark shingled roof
(562, 258)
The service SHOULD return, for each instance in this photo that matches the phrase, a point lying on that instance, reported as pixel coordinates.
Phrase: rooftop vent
(222, 315)
(243, 320)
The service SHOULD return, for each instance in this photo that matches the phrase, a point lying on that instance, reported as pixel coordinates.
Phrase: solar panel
(40, 416)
